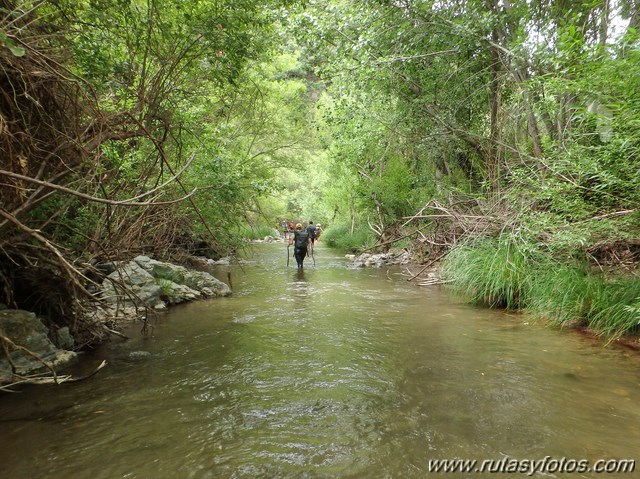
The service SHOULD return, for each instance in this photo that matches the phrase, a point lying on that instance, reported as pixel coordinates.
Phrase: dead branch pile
(460, 218)
(440, 226)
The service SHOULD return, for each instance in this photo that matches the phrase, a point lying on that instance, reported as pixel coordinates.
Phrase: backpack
(301, 239)
(312, 231)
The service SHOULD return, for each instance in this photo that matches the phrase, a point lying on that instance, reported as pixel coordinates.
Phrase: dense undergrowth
(256, 232)
(341, 237)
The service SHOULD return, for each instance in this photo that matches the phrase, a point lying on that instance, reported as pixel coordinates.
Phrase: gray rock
(156, 284)
(107, 267)
(132, 274)
(64, 338)
(175, 293)
(207, 284)
(24, 329)
(380, 259)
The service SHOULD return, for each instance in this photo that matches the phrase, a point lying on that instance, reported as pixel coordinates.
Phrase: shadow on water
(326, 372)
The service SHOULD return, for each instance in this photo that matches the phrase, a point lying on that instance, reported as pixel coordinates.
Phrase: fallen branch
(433, 282)
(114, 332)
(428, 264)
(51, 380)
(395, 240)
(608, 215)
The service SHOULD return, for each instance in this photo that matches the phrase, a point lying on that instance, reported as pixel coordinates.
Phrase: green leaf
(9, 43)
(17, 51)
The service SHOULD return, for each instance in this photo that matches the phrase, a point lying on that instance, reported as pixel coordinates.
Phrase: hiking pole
(288, 255)
(312, 256)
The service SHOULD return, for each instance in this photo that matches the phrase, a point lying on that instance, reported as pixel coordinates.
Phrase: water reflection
(299, 276)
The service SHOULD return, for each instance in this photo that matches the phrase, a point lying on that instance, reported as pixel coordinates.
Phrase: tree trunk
(493, 157)
(604, 26)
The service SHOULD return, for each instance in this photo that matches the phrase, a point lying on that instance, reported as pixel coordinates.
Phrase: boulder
(174, 293)
(24, 329)
(223, 261)
(158, 284)
(199, 281)
(141, 285)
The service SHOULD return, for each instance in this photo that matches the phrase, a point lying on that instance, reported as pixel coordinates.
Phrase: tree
(101, 106)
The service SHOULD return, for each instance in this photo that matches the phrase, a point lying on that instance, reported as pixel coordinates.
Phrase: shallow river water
(332, 372)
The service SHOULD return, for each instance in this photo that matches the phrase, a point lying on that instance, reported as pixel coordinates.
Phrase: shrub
(340, 237)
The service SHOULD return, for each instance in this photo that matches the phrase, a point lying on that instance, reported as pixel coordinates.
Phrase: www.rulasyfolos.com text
(545, 465)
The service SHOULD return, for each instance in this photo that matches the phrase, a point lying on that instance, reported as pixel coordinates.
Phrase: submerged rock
(138, 355)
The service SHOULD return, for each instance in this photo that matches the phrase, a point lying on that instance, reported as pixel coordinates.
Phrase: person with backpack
(300, 239)
(311, 230)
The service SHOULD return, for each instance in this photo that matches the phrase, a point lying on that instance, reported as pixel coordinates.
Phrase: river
(326, 373)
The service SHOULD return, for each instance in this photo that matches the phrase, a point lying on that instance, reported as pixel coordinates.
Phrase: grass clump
(492, 272)
(561, 292)
(565, 294)
(516, 275)
(615, 307)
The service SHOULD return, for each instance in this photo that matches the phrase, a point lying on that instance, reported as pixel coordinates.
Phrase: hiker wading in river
(300, 241)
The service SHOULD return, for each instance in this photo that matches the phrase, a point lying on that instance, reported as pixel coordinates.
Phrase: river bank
(604, 309)
(130, 290)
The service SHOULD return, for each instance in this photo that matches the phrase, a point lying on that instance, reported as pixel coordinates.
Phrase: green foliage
(166, 286)
(342, 238)
(175, 80)
(7, 42)
(168, 274)
(257, 233)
